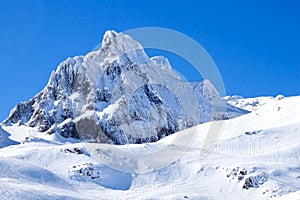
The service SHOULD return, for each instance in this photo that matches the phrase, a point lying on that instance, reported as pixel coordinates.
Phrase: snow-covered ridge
(117, 94)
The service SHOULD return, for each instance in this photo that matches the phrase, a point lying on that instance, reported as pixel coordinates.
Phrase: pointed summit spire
(120, 43)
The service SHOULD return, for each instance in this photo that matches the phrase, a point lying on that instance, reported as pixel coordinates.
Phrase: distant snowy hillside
(119, 95)
(250, 104)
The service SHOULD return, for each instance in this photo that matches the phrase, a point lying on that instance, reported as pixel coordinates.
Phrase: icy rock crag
(118, 95)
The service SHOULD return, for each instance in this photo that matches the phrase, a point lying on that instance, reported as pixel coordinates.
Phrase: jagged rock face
(117, 95)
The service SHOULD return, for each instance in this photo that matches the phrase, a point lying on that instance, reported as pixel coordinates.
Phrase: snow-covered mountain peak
(161, 60)
(111, 37)
(122, 95)
(119, 45)
(124, 43)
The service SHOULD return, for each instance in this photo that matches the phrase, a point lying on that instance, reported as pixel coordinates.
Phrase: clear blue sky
(255, 44)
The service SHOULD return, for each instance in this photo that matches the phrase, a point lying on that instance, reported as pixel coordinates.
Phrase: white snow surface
(254, 156)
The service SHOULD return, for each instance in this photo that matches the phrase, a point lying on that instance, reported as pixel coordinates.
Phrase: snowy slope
(255, 156)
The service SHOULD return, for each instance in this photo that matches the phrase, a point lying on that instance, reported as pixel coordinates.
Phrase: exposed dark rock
(255, 181)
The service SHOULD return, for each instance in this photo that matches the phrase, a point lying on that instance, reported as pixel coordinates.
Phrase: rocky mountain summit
(118, 95)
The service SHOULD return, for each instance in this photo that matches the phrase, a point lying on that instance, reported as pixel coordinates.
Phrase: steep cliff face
(119, 95)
